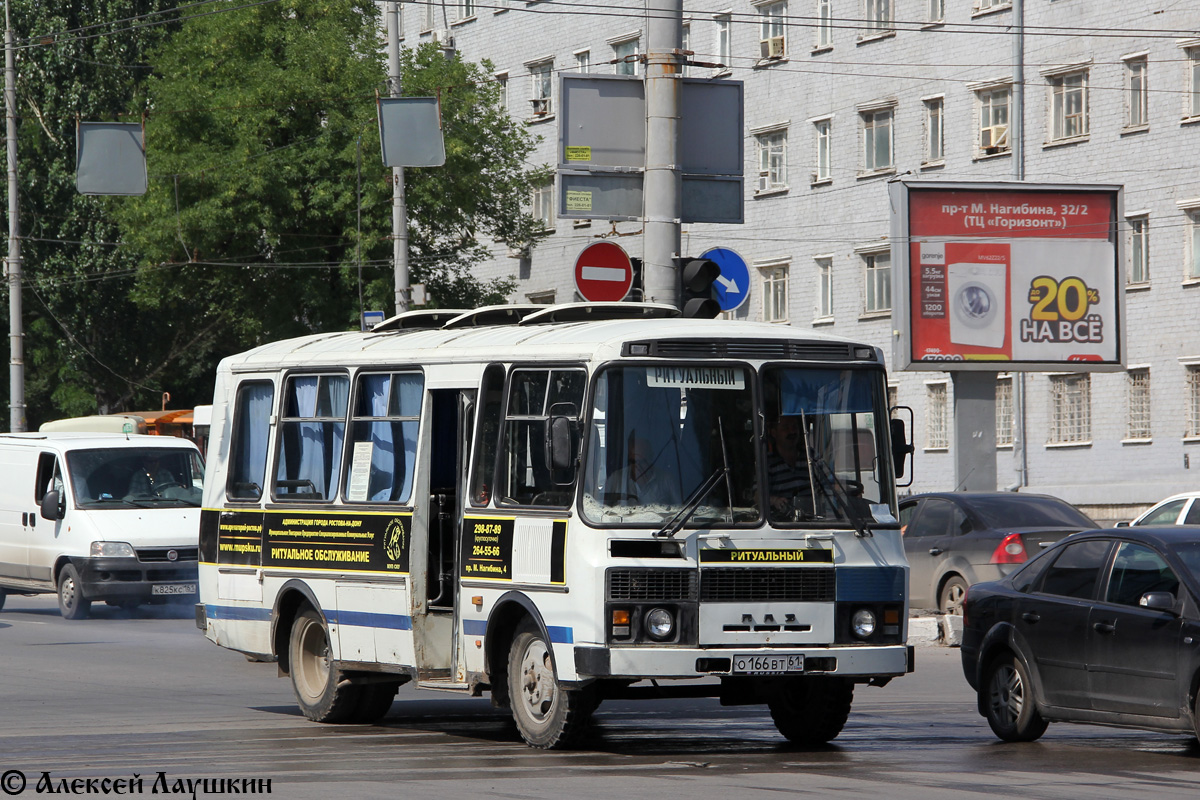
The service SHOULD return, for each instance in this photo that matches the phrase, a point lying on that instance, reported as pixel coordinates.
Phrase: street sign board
(370, 319)
(110, 158)
(410, 132)
(600, 195)
(732, 287)
(603, 272)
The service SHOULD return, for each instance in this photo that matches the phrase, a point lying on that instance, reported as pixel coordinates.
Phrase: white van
(99, 516)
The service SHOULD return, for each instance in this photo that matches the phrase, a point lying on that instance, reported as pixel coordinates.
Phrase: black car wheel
(1011, 710)
(954, 592)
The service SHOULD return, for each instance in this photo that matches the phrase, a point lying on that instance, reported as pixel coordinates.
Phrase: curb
(944, 630)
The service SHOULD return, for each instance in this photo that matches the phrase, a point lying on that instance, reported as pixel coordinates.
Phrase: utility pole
(663, 178)
(16, 335)
(399, 203)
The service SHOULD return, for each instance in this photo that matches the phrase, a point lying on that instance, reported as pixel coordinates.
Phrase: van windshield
(136, 476)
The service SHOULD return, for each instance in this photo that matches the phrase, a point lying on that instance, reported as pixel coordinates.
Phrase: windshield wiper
(676, 523)
(831, 485)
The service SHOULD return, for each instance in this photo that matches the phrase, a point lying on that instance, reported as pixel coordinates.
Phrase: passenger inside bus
(640, 481)
(788, 479)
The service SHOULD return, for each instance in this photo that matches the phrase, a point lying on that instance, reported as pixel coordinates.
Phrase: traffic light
(697, 276)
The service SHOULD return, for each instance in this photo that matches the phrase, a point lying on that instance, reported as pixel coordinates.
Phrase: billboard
(1005, 277)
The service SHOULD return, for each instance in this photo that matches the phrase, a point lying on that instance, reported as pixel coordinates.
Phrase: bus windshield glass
(823, 446)
(667, 436)
(121, 477)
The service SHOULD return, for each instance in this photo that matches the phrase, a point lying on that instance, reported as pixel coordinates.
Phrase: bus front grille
(754, 584)
(651, 584)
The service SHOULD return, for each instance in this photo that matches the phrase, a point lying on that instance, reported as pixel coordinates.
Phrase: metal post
(1017, 137)
(661, 240)
(399, 204)
(16, 335)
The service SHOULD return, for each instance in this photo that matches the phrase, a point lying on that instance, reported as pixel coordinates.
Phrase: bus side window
(310, 436)
(383, 435)
(527, 478)
(251, 431)
(491, 399)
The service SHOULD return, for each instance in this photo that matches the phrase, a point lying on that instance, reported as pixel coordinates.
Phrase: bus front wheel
(811, 711)
(322, 692)
(548, 716)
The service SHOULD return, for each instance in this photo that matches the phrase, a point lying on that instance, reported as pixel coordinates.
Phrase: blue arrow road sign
(733, 284)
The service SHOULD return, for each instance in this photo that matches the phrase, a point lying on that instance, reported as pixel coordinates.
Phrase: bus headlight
(862, 624)
(659, 623)
(112, 550)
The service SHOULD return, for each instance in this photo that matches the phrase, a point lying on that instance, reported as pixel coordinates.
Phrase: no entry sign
(603, 272)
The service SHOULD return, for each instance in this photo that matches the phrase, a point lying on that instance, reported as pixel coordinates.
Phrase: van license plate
(173, 588)
(767, 665)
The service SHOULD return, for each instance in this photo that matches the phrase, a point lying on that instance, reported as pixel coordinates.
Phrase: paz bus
(455, 499)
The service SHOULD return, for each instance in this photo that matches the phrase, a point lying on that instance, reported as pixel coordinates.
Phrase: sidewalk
(941, 630)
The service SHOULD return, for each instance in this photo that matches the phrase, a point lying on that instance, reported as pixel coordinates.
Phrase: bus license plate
(767, 665)
(173, 588)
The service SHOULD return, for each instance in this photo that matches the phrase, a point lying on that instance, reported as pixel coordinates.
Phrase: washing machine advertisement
(1011, 278)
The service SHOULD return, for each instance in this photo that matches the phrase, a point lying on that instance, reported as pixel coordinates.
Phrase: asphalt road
(144, 693)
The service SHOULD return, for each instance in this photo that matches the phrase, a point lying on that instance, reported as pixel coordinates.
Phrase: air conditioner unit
(441, 36)
(772, 47)
(764, 181)
(993, 137)
(541, 106)
(518, 251)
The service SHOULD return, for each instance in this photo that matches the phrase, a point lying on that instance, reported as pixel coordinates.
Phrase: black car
(1103, 627)
(955, 539)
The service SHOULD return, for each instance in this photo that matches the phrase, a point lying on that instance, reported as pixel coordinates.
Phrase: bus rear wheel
(811, 711)
(548, 716)
(322, 692)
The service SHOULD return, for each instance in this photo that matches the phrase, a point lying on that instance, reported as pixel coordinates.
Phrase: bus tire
(548, 716)
(374, 702)
(322, 692)
(71, 602)
(811, 711)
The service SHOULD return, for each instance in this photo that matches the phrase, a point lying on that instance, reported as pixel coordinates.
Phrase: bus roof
(570, 341)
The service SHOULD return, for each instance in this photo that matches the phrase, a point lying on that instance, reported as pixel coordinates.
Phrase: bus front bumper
(858, 662)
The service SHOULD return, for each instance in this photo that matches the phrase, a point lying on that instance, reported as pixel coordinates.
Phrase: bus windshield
(665, 436)
(136, 476)
(823, 446)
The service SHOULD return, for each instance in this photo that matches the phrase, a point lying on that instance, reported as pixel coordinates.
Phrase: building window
(824, 287)
(993, 120)
(541, 77)
(879, 16)
(988, 5)
(772, 160)
(877, 139)
(1193, 402)
(1139, 249)
(429, 17)
(1138, 424)
(1069, 105)
(1193, 243)
(937, 10)
(1137, 98)
(937, 435)
(1070, 409)
(1193, 94)
(583, 61)
(464, 9)
(878, 293)
(723, 48)
(1004, 411)
(542, 205)
(625, 53)
(823, 127)
(934, 131)
(775, 293)
(824, 23)
(773, 42)
(502, 90)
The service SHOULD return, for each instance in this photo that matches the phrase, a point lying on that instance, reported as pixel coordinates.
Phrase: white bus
(453, 499)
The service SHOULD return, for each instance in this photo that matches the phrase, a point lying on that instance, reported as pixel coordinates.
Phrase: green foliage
(259, 120)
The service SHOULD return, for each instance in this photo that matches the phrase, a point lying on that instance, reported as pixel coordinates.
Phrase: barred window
(1193, 401)
(1004, 411)
(1138, 423)
(1070, 409)
(936, 413)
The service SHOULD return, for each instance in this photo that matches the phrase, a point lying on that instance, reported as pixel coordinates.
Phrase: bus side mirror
(901, 446)
(561, 442)
(52, 506)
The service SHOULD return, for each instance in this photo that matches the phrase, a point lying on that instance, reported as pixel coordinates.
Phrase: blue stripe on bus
(237, 613)
(870, 584)
(474, 627)
(557, 634)
(370, 619)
